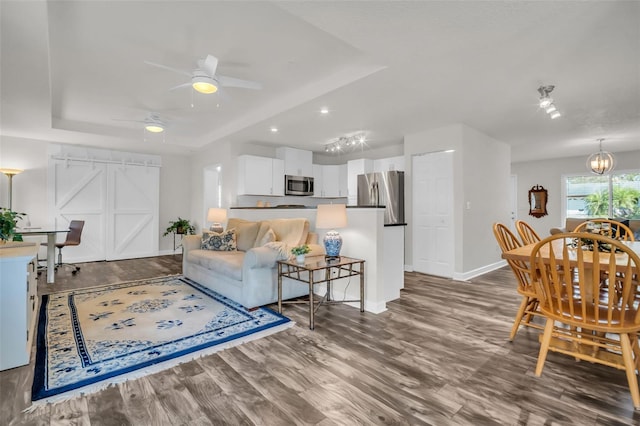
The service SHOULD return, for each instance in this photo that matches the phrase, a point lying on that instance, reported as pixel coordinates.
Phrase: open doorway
(211, 189)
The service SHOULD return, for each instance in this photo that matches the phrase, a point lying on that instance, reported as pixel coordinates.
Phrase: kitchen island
(365, 237)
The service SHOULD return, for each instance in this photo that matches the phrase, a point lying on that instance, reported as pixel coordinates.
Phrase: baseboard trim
(466, 276)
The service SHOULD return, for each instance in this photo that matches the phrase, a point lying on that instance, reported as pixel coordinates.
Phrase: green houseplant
(300, 251)
(180, 226)
(8, 221)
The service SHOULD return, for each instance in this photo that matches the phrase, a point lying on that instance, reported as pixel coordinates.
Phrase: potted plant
(299, 252)
(180, 226)
(8, 221)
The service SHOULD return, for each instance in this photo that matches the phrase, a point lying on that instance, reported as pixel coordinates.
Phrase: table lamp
(332, 216)
(216, 216)
(10, 174)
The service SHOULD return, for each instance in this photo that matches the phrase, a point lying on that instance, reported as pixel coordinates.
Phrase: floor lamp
(10, 174)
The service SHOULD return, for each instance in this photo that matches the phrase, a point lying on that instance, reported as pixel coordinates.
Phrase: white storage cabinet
(18, 303)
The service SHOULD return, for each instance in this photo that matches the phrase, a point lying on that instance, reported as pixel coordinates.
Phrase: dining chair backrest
(610, 228)
(589, 318)
(527, 234)
(508, 241)
(579, 298)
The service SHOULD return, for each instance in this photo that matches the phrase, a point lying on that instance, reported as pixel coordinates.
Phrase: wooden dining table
(523, 253)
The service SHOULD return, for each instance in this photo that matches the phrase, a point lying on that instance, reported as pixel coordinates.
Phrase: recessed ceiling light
(324, 110)
(274, 130)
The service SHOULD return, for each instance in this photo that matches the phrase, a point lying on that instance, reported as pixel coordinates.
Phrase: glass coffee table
(334, 268)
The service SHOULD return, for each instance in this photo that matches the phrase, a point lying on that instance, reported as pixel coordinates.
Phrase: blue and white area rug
(91, 338)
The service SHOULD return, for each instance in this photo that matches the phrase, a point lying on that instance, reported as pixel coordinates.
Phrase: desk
(50, 232)
(303, 272)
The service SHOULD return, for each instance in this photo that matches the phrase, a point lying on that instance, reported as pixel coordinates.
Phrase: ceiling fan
(152, 123)
(204, 78)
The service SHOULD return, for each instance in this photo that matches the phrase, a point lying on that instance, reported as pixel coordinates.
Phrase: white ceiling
(72, 70)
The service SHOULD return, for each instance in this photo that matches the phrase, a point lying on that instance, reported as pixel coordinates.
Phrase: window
(616, 195)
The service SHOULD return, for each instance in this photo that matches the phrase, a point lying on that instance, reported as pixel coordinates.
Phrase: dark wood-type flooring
(439, 355)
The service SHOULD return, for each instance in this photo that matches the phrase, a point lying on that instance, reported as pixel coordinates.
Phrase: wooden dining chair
(529, 303)
(610, 228)
(527, 234)
(586, 320)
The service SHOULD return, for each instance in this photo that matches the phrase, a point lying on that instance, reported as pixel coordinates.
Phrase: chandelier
(601, 162)
(345, 143)
(546, 101)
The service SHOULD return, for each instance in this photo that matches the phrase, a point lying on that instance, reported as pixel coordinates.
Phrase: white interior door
(514, 201)
(118, 202)
(132, 211)
(78, 190)
(433, 238)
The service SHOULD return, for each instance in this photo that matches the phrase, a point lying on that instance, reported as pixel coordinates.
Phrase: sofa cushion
(224, 241)
(246, 232)
(269, 237)
(228, 263)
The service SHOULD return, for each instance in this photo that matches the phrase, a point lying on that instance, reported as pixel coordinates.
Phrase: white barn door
(132, 211)
(118, 202)
(78, 191)
(433, 239)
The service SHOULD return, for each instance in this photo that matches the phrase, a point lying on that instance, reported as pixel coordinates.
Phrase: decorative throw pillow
(224, 241)
(268, 237)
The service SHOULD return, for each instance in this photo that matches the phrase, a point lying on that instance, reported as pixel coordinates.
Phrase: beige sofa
(572, 222)
(248, 275)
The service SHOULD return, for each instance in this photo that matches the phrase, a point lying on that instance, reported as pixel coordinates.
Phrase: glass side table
(342, 267)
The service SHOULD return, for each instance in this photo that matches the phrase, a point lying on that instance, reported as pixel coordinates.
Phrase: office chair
(73, 239)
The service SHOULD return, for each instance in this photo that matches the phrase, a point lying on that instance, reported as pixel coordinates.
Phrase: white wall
(30, 187)
(481, 176)
(548, 173)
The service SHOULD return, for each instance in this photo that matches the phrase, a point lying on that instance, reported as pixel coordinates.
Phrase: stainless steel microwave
(298, 185)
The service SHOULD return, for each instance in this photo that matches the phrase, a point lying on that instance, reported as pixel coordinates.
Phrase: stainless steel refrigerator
(383, 189)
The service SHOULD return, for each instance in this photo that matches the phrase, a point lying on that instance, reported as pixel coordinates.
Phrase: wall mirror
(537, 201)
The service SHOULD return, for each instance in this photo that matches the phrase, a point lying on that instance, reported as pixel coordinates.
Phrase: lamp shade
(11, 172)
(331, 216)
(216, 215)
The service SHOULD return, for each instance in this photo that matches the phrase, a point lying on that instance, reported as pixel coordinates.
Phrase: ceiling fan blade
(124, 119)
(180, 86)
(183, 72)
(209, 65)
(236, 82)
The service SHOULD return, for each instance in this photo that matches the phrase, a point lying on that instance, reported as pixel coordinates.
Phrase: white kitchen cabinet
(260, 175)
(389, 164)
(297, 162)
(330, 181)
(18, 303)
(317, 180)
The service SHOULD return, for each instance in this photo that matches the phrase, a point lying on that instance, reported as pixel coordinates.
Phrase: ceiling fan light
(204, 84)
(154, 128)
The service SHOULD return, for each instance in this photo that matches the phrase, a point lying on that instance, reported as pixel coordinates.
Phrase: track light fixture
(345, 143)
(546, 101)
